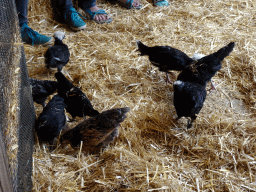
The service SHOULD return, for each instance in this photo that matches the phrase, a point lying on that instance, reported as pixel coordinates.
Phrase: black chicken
(52, 120)
(189, 99)
(96, 132)
(58, 54)
(41, 89)
(77, 102)
(165, 58)
(204, 69)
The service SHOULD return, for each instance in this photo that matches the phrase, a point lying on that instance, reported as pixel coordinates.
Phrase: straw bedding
(154, 152)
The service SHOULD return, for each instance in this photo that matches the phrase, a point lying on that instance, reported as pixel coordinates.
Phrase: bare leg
(99, 17)
(136, 3)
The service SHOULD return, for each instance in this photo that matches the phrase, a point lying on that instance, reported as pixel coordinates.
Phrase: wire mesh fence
(17, 115)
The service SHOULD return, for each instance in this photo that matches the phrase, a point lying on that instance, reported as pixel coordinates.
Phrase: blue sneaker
(30, 36)
(73, 19)
(160, 3)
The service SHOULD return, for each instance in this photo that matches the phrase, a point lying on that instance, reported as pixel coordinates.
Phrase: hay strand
(154, 152)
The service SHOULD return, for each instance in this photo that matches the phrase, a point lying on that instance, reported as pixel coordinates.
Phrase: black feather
(57, 56)
(77, 102)
(165, 58)
(188, 99)
(52, 120)
(96, 132)
(41, 89)
(204, 69)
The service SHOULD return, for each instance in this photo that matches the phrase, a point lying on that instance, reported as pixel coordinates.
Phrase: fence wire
(17, 114)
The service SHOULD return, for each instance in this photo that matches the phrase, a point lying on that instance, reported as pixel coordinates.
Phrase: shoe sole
(78, 28)
(48, 42)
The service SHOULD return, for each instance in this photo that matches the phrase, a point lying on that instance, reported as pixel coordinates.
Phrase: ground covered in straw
(153, 151)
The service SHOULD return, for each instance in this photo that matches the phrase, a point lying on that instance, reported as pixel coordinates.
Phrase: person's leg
(86, 4)
(71, 16)
(90, 7)
(28, 35)
(65, 4)
(22, 10)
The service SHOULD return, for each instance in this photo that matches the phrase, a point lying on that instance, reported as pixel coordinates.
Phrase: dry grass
(11, 97)
(154, 152)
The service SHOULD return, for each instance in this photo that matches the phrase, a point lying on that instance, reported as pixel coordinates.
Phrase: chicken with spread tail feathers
(202, 70)
(41, 89)
(57, 56)
(189, 99)
(165, 58)
(77, 102)
(96, 132)
(52, 120)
